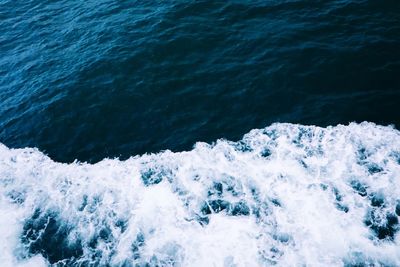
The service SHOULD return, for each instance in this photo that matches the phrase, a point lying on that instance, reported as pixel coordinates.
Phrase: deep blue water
(88, 80)
(92, 79)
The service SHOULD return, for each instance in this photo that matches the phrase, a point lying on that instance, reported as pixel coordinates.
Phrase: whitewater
(285, 195)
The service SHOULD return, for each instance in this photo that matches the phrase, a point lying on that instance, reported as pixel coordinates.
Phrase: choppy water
(286, 195)
(95, 80)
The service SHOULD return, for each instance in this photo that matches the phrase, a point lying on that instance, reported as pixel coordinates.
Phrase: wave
(285, 195)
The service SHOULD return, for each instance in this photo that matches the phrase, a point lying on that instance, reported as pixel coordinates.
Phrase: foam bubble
(284, 195)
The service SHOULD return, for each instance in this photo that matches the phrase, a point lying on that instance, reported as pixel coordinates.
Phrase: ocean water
(95, 79)
(199, 133)
(285, 195)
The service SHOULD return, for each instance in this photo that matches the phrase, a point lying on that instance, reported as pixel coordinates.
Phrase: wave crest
(283, 195)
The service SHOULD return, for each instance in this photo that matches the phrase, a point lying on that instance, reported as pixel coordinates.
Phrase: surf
(285, 195)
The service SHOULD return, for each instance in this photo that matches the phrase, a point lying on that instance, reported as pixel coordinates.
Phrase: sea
(199, 133)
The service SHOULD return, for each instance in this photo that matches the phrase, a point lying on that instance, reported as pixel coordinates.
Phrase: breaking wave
(286, 195)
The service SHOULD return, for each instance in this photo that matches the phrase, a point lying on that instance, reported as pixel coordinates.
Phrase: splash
(286, 195)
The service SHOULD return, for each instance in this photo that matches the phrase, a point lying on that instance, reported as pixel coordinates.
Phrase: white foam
(286, 195)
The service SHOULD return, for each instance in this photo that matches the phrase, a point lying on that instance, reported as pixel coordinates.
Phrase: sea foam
(286, 195)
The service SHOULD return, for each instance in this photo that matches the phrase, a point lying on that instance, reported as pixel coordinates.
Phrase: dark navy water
(88, 80)
(92, 79)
